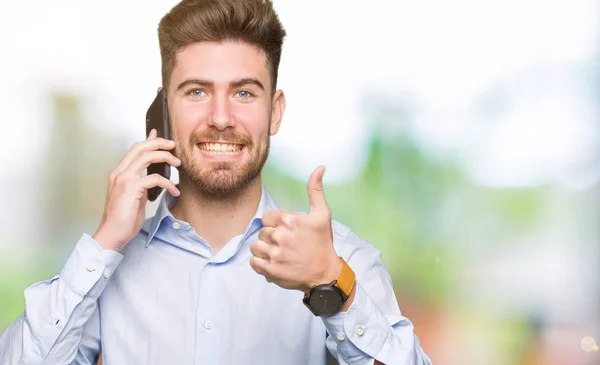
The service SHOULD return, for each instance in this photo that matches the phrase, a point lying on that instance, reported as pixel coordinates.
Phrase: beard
(222, 179)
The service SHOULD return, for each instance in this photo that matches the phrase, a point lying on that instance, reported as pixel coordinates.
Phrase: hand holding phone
(125, 207)
(128, 191)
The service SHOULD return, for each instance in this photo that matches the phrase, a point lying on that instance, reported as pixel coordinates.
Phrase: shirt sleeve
(60, 324)
(373, 327)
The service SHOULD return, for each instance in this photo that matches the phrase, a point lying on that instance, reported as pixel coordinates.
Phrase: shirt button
(360, 330)
(106, 273)
(91, 268)
(208, 325)
(341, 336)
(176, 225)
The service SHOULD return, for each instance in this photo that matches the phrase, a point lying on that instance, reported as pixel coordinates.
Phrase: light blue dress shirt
(168, 299)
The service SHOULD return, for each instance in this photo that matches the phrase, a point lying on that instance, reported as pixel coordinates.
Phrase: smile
(220, 148)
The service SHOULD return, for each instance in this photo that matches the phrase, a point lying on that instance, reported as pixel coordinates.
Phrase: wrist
(329, 273)
(335, 291)
(105, 241)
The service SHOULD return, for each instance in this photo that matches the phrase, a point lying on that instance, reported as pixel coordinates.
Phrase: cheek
(185, 118)
(254, 120)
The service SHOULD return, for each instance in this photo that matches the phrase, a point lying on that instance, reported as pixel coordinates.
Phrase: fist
(295, 251)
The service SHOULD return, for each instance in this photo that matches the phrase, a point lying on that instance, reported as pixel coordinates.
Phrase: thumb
(316, 196)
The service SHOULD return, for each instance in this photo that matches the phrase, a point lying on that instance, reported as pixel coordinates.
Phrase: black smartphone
(157, 117)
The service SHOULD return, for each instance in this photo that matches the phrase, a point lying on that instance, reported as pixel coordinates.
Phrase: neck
(217, 219)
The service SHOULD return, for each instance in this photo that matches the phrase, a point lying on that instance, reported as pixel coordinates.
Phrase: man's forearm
(56, 310)
(365, 335)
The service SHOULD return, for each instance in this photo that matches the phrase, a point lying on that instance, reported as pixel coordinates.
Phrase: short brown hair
(251, 21)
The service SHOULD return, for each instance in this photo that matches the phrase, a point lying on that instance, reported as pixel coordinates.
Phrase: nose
(220, 117)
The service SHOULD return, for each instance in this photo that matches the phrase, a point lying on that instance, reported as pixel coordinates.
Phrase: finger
(261, 266)
(151, 144)
(149, 157)
(266, 235)
(153, 180)
(316, 196)
(260, 249)
(152, 134)
(272, 218)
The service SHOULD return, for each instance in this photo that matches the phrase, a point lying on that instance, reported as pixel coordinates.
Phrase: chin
(222, 181)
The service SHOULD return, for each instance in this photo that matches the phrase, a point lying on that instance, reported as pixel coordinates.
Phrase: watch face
(325, 301)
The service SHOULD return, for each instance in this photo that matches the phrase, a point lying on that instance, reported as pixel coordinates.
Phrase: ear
(159, 89)
(277, 109)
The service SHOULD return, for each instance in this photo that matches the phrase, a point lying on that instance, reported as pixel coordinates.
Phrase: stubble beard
(222, 179)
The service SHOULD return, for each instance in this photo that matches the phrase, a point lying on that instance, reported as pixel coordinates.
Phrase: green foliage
(417, 210)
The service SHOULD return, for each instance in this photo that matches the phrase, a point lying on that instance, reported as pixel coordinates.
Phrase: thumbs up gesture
(295, 251)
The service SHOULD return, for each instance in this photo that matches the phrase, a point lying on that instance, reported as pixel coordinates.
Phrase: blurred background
(461, 138)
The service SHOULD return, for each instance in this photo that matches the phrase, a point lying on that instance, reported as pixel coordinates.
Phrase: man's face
(222, 114)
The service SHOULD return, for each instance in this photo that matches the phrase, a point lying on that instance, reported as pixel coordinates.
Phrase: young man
(187, 286)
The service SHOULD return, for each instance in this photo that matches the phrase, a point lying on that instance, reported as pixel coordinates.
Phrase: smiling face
(222, 112)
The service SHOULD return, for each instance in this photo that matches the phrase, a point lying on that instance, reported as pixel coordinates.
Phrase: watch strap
(346, 279)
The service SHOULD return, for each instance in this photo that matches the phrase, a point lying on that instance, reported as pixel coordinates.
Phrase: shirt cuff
(89, 267)
(360, 332)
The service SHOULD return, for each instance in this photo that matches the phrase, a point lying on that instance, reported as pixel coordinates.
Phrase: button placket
(206, 329)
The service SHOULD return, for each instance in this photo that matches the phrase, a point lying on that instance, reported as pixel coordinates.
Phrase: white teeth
(220, 148)
(220, 153)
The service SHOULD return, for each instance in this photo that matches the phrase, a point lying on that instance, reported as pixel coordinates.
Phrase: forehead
(220, 62)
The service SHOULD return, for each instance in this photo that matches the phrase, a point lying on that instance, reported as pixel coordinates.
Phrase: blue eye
(197, 93)
(244, 94)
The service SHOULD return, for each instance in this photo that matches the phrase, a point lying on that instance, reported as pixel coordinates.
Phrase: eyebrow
(233, 84)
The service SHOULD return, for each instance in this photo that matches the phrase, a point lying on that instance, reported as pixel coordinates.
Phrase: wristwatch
(328, 299)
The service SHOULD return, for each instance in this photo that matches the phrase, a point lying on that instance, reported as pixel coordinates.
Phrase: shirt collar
(167, 201)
